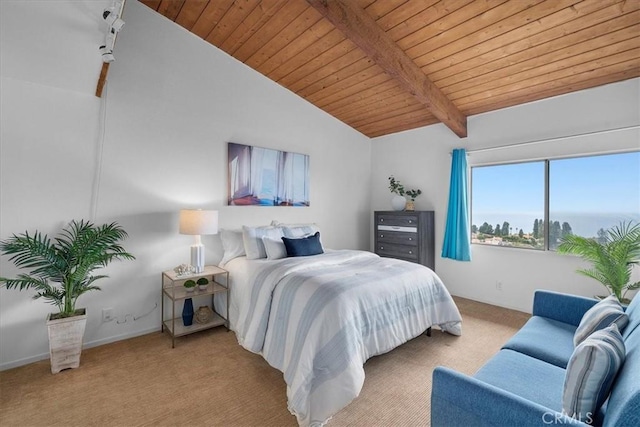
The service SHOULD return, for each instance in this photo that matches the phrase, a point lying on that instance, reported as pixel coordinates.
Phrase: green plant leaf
(612, 260)
(60, 270)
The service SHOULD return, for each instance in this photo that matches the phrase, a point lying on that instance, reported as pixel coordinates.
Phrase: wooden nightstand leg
(173, 324)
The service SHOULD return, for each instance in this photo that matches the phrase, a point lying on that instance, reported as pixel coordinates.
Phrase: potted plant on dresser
(413, 194)
(398, 202)
(60, 271)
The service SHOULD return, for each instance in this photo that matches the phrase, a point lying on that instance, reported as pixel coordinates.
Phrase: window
(588, 195)
(583, 195)
(507, 200)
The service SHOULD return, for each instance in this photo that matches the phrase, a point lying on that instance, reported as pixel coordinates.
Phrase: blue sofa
(522, 384)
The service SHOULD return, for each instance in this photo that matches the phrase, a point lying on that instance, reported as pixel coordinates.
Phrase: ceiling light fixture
(111, 16)
(107, 55)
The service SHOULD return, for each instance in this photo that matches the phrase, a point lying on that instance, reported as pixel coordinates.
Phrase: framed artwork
(265, 177)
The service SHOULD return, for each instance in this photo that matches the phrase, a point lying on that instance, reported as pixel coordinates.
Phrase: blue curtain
(456, 234)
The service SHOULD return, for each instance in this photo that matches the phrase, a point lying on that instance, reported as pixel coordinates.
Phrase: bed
(318, 319)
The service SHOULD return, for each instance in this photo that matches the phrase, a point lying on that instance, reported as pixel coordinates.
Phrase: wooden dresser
(407, 235)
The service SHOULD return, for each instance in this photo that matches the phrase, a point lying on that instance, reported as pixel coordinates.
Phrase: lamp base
(197, 258)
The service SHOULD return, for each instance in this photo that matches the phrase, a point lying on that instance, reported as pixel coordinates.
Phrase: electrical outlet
(107, 314)
(499, 285)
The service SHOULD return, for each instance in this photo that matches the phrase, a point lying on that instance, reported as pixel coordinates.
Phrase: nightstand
(174, 291)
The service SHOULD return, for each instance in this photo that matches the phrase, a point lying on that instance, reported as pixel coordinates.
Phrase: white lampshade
(198, 222)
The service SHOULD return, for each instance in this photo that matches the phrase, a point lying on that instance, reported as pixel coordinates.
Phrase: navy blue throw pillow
(304, 246)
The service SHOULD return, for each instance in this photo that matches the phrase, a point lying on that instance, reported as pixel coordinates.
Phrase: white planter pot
(398, 203)
(65, 341)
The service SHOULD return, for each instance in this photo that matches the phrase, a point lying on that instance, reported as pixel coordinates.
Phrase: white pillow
(232, 244)
(275, 248)
(252, 238)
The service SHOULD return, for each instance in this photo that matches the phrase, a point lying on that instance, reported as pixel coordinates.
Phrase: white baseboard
(491, 302)
(96, 343)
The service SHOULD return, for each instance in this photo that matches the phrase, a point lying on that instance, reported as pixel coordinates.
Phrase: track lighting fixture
(107, 55)
(111, 15)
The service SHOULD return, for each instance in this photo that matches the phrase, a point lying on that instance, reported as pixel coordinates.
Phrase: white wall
(171, 105)
(421, 159)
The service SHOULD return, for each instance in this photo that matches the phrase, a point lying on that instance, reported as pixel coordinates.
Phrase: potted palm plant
(612, 257)
(60, 271)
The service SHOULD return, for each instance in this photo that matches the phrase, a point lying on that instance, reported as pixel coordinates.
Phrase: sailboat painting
(265, 177)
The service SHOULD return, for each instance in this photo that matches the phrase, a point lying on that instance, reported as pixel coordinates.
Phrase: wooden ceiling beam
(364, 32)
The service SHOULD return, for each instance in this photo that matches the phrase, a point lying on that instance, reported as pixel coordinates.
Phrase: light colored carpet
(209, 380)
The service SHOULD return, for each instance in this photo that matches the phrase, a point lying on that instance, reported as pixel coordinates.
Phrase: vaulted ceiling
(384, 66)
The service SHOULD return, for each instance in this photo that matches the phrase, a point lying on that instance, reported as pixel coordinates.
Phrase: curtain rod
(541, 141)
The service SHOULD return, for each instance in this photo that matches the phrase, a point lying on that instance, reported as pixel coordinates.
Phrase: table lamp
(197, 222)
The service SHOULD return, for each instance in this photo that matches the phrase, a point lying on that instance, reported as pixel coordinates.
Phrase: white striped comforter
(318, 319)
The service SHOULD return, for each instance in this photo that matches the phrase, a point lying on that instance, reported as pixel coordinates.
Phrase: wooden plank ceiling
(478, 55)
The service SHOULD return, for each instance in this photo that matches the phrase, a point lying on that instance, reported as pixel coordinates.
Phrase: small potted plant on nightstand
(189, 285)
(203, 282)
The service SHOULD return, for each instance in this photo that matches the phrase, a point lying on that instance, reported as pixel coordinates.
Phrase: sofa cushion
(562, 307)
(600, 316)
(633, 311)
(525, 376)
(591, 371)
(545, 339)
(623, 408)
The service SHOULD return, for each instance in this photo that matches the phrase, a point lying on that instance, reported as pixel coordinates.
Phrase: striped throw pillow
(601, 315)
(591, 370)
(294, 231)
(252, 238)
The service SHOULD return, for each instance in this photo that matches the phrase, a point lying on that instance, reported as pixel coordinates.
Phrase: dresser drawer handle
(381, 219)
(410, 252)
(410, 221)
(382, 247)
(382, 235)
(410, 238)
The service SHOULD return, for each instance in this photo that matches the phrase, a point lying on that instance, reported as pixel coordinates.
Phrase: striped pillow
(274, 248)
(601, 315)
(252, 238)
(591, 370)
(294, 231)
